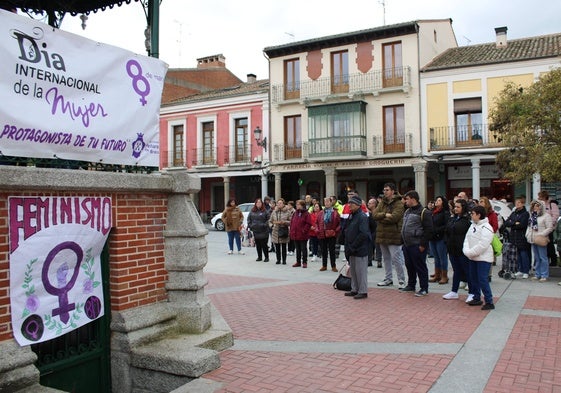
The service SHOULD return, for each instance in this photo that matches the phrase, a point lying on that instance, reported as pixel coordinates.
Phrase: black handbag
(343, 282)
(282, 232)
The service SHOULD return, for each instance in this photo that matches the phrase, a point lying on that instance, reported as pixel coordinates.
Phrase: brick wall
(136, 251)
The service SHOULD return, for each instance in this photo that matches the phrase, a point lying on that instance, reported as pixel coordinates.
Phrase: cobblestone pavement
(294, 333)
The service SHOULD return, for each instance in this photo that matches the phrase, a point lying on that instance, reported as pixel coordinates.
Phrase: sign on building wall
(64, 96)
(55, 268)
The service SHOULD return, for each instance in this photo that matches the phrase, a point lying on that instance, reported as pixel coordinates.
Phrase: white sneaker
(519, 274)
(230, 252)
(469, 298)
(313, 258)
(450, 295)
(525, 275)
(241, 253)
(401, 284)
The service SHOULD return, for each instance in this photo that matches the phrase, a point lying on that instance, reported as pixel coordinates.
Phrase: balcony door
(292, 137)
(468, 121)
(394, 129)
(392, 64)
(291, 79)
(340, 72)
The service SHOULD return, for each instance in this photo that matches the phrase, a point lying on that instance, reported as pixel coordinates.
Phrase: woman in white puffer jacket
(477, 247)
(540, 225)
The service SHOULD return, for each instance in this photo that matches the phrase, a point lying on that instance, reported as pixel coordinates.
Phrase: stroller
(509, 255)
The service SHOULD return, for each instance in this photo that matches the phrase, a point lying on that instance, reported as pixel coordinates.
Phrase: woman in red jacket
(328, 228)
(300, 233)
(314, 242)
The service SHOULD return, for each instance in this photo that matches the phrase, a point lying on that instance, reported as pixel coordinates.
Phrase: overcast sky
(240, 29)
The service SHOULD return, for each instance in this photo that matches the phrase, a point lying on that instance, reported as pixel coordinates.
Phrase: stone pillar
(278, 178)
(264, 185)
(536, 185)
(330, 182)
(476, 178)
(420, 169)
(17, 369)
(226, 189)
(185, 255)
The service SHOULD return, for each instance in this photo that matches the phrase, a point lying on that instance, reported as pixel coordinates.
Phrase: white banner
(64, 96)
(55, 267)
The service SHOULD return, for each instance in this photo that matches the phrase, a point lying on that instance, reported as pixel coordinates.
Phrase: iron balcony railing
(203, 156)
(237, 154)
(393, 145)
(373, 82)
(352, 146)
(463, 137)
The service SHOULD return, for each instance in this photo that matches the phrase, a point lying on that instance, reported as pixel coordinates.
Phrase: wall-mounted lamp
(257, 134)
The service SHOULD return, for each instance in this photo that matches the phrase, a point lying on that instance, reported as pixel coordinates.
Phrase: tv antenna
(467, 39)
(383, 2)
(180, 38)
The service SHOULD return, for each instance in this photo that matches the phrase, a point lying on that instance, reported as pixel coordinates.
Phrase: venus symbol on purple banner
(137, 77)
(63, 286)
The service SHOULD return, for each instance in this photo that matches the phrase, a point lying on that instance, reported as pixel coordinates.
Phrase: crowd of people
(400, 232)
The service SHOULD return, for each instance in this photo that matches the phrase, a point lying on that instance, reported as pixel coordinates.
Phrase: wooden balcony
(463, 137)
(373, 82)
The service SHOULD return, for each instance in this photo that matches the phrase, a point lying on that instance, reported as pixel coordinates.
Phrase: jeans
(479, 271)
(314, 245)
(262, 248)
(523, 260)
(393, 255)
(460, 264)
(234, 235)
(328, 247)
(280, 249)
(416, 265)
(541, 262)
(301, 251)
(440, 254)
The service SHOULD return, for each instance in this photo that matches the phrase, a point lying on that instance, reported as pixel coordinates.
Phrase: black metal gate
(79, 361)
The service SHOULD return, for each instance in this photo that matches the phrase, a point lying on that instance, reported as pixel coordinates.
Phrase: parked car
(219, 225)
(502, 210)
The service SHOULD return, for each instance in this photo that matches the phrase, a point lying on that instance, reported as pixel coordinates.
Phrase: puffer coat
(284, 216)
(388, 230)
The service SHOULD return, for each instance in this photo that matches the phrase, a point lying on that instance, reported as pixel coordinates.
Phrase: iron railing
(399, 144)
(463, 137)
(337, 147)
(360, 83)
(237, 154)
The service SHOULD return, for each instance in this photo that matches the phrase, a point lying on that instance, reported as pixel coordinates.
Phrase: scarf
(534, 220)
(327, 215)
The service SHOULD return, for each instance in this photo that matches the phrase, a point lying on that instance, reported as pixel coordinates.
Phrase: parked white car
(502, 210)
(219, 225)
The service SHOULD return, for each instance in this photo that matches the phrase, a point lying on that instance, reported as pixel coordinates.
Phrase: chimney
(215, 61)
(251, 78)
(501, 36)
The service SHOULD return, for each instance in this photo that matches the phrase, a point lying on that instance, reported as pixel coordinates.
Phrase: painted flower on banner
(32, 301)
(88, 265)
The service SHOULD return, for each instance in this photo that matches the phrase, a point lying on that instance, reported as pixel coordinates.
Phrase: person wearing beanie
(357, 242)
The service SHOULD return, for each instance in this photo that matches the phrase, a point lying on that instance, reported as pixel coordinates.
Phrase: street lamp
(257, 134)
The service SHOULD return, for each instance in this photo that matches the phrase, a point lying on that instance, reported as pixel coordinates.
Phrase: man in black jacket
(357, 241)
(416, 233)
